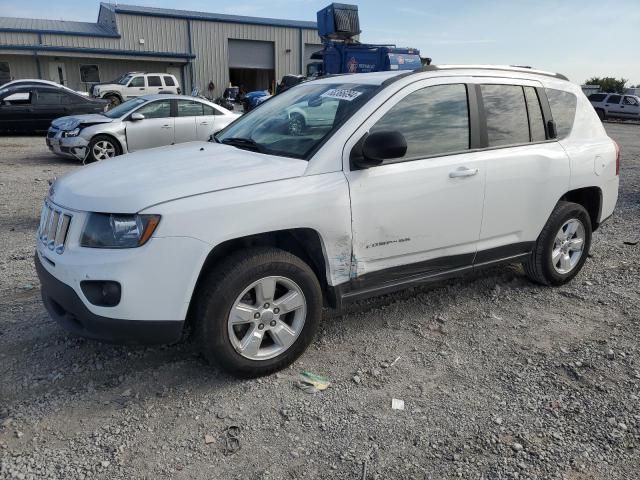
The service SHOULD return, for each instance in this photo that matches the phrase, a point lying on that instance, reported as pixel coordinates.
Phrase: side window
(536, 120)
(208, 110)
(168, 81)
(18, 98)
(137, 82)
(158, 109)
(154, 81)
(49, 97)
(614, 99)
(630, 101)
(433, 120)
(563, 108)
(597, 97)
(5, 73)
(188, 108)
(506, 113)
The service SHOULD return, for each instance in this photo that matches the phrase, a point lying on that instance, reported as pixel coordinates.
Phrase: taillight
(617, 157)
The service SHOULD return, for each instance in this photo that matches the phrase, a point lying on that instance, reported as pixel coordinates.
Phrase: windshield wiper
(245, 143)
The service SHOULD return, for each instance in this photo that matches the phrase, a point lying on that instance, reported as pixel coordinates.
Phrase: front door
(419, 214)
(58, 72)
(155, 130)
(137, 87)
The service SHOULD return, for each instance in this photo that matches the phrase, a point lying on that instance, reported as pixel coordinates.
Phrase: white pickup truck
(419, 176)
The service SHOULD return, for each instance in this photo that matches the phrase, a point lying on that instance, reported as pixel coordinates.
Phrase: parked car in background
(137, 85)
(144, 122)
(420, 176)
(252, 99)
(32, 108)
(114, 81)
(36, 81)
(616, 105)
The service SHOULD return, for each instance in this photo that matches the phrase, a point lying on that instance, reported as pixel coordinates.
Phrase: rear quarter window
(563, 108)
(597, 97)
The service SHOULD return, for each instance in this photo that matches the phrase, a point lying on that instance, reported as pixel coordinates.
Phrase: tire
(296, 124)
(230, 286)
(601, 114)
(103, 147)
(114, 99)
(555, 259)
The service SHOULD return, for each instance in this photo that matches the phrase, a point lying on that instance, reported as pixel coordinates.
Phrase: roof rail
(502, 68)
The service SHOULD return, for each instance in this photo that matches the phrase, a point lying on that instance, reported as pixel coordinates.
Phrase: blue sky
(580, 38)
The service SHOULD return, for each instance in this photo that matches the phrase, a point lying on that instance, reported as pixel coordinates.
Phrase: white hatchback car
(144, 122)
(421, 176)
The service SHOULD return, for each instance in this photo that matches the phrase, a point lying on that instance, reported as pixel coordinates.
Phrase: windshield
(124, 108)
(124, 79)
(296, 122)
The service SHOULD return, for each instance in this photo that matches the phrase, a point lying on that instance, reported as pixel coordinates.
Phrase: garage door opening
(251, 64)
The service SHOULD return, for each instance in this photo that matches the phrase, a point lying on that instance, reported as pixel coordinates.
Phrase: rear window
(597, 97)
(506, 111)
(154, 81)
(168, 81)
(563, 108)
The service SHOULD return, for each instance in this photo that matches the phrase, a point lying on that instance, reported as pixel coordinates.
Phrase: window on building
(188, 108)
(433, 120)
(536, 120)
(563, 108)
(507, 122)
(5, 73)
(137, 82)
(89, 74)
(168, 81)
(614, 99)
(154, 81)
(158, 109)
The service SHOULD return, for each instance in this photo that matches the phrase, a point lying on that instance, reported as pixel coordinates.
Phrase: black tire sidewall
(216, 305)
(111, 99)
(570, 211)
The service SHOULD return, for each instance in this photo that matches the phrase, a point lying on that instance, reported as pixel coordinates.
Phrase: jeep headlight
(104, 230)
(72, 133)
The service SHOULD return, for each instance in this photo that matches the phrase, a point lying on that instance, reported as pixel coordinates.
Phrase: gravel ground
(501, 379)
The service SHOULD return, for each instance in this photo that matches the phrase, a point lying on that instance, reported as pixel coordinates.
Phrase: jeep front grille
(54, 226)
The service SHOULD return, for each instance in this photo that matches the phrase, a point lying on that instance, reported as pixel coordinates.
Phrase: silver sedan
(143, 122)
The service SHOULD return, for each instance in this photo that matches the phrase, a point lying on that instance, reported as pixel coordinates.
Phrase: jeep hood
(131, 183)
(71, 122)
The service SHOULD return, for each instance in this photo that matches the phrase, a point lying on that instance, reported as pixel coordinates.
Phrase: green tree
(608, 84)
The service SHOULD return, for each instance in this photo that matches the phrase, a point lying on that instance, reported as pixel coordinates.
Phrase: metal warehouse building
(198, 48)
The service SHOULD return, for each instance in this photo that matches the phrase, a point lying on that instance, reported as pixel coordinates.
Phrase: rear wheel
(102, 147)
(562, 247)
(258, 311)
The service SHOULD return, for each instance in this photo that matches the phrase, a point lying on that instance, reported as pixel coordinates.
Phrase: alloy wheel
(267, 318)
(568, 246)
(103, 150)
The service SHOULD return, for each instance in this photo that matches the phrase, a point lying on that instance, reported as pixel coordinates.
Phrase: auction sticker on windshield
(341, 94)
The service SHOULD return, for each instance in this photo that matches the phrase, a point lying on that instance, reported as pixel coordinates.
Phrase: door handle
(166, 126)
(204, 123)
(463, 172)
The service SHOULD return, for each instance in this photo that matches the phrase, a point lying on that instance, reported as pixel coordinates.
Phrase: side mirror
(136, 117)
(376, 147)
(552, 131)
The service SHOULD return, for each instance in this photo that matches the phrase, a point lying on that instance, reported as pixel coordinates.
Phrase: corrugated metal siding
(210, 45)
(12, 38)
(21, 66)
(80, 42)
(159, 34)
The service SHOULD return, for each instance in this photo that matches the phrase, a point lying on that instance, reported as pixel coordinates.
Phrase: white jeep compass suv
(418, 177)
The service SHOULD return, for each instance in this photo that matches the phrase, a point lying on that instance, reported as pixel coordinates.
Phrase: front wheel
(115, 100)
(601, 114)
(562, 247)
(258, 311)
(102, 147)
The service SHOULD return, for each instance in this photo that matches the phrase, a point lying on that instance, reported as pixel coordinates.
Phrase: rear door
(48, 106)
(612, 104)
(154, 84)
(155, 130)
(630, 108)
(188, 113)
(526, 173)
(212, 121)
(16, 109)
